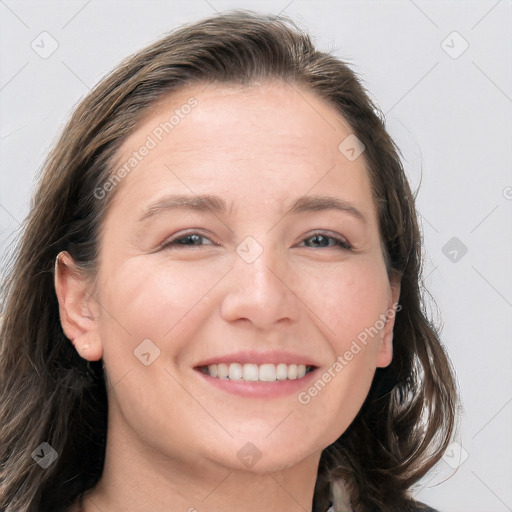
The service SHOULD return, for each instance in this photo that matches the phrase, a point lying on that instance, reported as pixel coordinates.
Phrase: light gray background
(449, 112)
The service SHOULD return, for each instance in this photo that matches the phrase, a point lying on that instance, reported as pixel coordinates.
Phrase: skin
(173, 439)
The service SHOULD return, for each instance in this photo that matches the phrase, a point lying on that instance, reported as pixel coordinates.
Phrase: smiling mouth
(256, 373)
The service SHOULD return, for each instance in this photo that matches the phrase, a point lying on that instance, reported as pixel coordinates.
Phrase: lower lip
(273, 389)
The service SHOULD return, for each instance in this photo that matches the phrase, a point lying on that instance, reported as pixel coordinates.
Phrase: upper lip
(258, 357)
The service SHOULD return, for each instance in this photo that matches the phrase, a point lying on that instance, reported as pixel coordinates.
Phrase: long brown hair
(50, 394)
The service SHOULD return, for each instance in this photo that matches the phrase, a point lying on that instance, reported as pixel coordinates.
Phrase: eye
(188, 240)
(322, 240)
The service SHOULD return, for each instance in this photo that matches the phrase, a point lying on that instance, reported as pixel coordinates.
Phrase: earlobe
(385, 355)
(77, 308)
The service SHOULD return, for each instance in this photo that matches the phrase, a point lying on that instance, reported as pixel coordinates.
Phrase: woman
(215, 304)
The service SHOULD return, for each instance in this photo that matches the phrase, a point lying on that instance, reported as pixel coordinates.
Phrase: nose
(260, 293)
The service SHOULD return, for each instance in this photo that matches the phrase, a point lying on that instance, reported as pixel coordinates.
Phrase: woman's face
(269, 256)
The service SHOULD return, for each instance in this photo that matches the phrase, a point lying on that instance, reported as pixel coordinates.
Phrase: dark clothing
(425, 508)
(420, 507)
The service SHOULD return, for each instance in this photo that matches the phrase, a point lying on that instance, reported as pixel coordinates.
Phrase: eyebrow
(215, 204)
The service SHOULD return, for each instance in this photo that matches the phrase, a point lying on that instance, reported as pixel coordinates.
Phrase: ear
(385, 355)
(79, 312)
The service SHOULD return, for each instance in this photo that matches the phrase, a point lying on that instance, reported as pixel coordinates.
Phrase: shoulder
(416, 507)
(421, 507)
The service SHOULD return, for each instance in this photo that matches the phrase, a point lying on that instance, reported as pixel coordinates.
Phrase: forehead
(261, 139)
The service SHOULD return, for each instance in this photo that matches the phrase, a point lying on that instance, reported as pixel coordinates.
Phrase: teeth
(253, 372)
(235, 371)
(222, 370)
(267, 373)
(250, 372)
(282, 371)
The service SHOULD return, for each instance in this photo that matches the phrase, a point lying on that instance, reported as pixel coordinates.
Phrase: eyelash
(340, 242)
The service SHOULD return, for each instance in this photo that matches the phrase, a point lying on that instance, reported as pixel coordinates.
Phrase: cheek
(347, 301)
(160, 299)
(168, 302)
(349, 304)
(159, 302)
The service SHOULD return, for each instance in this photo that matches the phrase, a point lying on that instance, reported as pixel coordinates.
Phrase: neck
(137, 478)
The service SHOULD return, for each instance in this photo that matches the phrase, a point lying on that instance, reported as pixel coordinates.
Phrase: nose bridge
(262, 273)
(258, 291)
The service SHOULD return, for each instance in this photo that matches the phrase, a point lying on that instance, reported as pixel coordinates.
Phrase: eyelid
(330, 234)
(170, 241)
(341, 241)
